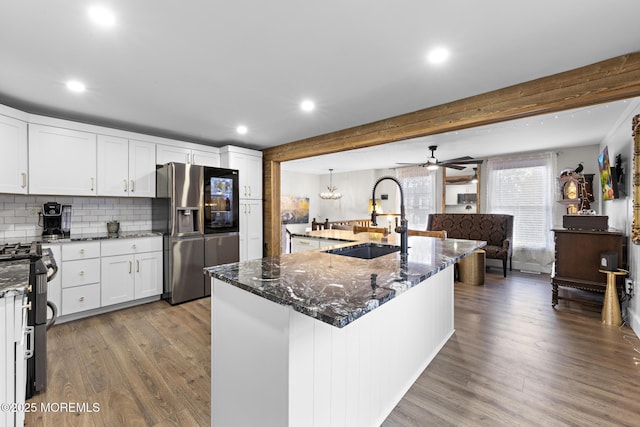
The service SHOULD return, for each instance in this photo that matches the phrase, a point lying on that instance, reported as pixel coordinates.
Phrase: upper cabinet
(126, 167)
(13, 162)
(177, 154)
(61, 161)
(249, 166)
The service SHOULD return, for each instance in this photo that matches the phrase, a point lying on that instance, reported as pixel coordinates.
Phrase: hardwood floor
(145, 366)
(513, 360)
(516, 361)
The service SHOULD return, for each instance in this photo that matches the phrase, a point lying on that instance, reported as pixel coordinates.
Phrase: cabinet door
(148, 275)
(250, 230)
(254, 176)
(142, 169)
(249, 173)
(117, 279)
(169, 153)
(13, 162)
(204, 158)
(113, 166)
(61, 161)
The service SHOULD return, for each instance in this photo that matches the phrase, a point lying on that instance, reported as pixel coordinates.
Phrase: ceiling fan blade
(458, 159)
(457, 167)
(411, 164)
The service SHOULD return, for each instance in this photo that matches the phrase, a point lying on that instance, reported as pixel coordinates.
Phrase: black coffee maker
(56, 220)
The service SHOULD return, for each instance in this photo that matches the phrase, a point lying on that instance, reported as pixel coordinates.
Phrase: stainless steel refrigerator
(196, 209)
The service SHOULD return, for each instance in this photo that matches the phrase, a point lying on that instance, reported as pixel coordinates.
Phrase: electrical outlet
(628, 284)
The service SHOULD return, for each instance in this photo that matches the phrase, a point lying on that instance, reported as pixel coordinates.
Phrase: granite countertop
(338, 289)
(84, 237)
(14, 277)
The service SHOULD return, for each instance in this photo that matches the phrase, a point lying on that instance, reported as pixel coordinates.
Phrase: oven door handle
(53, 268)
(30, 333)
(54, 314)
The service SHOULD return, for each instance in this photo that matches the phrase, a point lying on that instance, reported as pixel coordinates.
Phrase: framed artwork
(606, 180)
(294, 210)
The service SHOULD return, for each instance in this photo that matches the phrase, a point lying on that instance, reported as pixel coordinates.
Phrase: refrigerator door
(221, 200)
(187, 185)
(219, 249)
(184, 279)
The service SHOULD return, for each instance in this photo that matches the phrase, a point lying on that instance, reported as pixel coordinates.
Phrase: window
(523, 186)
(418, 185)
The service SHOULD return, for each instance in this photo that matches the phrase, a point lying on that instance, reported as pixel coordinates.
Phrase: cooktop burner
(13, 251)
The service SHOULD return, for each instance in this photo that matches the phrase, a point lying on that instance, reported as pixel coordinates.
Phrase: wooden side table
(611, 308)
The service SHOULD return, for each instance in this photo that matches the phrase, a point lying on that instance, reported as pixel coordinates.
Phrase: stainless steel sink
(365, 251)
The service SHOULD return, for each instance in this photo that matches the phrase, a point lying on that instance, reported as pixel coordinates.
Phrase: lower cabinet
(80, 276)
(299, 244)
(95, 274)
(135, 274)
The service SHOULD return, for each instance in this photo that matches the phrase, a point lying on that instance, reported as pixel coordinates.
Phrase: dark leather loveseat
(495, 229)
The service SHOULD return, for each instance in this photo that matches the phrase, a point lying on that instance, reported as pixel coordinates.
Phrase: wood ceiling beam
(606, 81)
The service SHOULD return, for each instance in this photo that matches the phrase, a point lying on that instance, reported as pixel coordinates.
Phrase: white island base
(273, 366)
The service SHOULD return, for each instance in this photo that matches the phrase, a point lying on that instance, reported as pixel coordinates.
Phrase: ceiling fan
(433, 163)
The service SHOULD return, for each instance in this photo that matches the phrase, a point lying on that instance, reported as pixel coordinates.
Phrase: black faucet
(403, 228)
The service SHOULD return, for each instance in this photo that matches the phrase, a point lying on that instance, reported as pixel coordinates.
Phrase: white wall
(620, 212)
(355, 187)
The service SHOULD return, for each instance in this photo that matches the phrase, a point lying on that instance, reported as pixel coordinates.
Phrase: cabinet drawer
(81, 250)
(80, 298)
(80, 272)
(301, 244)
(131, 246)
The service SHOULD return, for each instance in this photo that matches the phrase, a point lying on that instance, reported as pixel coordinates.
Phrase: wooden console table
(577, 260)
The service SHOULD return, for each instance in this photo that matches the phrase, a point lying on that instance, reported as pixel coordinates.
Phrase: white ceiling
(195, 70)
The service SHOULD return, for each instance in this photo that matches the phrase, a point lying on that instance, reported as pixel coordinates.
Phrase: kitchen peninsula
(317, 338)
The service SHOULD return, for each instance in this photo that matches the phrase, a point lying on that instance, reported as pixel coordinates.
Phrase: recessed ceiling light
(307, 105)
(242, 129)
(76, 86)
(438, 55)
(102, 16)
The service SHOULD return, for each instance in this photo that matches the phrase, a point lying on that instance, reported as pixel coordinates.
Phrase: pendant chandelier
(332, 194)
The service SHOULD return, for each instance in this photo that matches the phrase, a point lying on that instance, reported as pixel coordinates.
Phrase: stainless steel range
(42, 268)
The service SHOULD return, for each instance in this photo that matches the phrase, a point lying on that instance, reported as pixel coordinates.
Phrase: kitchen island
(317, 338)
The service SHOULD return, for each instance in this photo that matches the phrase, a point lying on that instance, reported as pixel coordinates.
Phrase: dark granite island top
(338, 289)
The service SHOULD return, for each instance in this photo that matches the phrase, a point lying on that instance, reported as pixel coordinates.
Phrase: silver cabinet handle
(125, 185)
(249, 187)
(188, 158)
(249, 208)
(134, 247)
(92, 183)
(130, 266)
(27, 305)
(30, 331)
(193, 158)
(137, 266)
(81, 273)
(81, 299)
(24, 180)
(133, 186)
(81, 251)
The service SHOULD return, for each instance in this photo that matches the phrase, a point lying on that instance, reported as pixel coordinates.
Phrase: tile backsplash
(19, 215)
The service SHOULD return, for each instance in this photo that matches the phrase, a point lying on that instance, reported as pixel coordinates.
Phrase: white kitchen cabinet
(205, 158)
(13, 161)
(13, 369)
(61, 161)
(250, 230)
(80, 277)
(177, 154)
(131, 269)
(125, 167)
(249, 166)
(299, 244)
